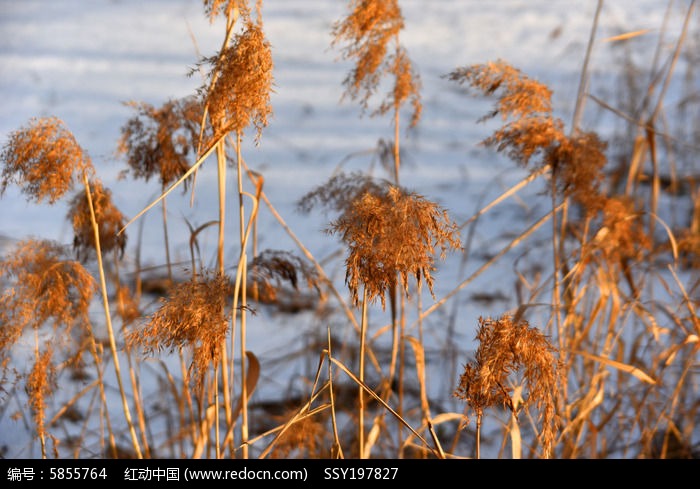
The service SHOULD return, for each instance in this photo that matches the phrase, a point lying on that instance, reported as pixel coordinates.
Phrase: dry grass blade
(419, 353)
(207, 152)
(305, 411)
(505, 195)
(252, 376)
(204, 429)
(627, 35)
(623, 367)
(369, 391)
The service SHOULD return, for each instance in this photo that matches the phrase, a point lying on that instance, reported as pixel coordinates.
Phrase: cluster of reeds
(608, 370)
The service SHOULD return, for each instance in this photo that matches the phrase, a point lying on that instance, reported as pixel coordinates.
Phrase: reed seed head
(621, 235)
(44, 287)
(507, 348)
(391, 234)
(577, 163)
(305, 438)
(530, 130)
(243, 81)
(192, 316)
(523, 103)
(272, 267)
(160, 141)
(366, 32)
(109, 221)
(41, 384)
(520, 95)
(44, 159)
(407, 86)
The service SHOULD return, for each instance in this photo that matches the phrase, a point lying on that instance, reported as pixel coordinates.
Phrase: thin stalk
(397, 152)
(363, 334)
(240, 270)
(221, 165)
(583, 82)
(167, 242)
(242, 265)
(402, 361)
(307, 254)
(135, 387)
(108, 319)
(103, 396)
(334, 422)
(244, 374)
(217, 448)
(478, 436)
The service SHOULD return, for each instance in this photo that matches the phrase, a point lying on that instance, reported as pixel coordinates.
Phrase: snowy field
(82, 60)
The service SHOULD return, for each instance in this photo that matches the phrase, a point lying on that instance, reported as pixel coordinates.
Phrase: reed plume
(109, 219)
(159, 141)
(391, 233)
(621, 235)
(41, 383)
(45, 288)
(367, 30)
(506, 350)
(271, 268)
(43, 159)
(242, 81)
(366, 33)
(190, 318)
(530, 130)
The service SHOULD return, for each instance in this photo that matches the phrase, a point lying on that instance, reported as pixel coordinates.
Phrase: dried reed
(507, 348)
(43, 159)
(366, 31)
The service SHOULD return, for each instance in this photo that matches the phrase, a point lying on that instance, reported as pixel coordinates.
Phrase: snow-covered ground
(81, 60)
